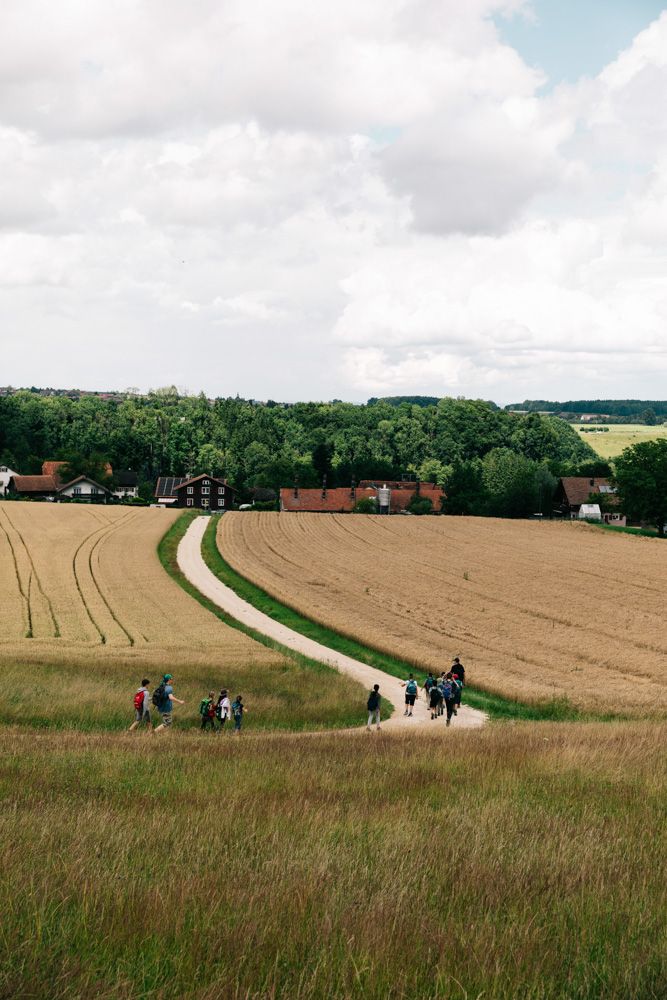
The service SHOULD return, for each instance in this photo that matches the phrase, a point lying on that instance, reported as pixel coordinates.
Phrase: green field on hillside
(610, 440)
(522, 862)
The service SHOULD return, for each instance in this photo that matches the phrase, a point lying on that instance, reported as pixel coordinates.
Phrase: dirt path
(192, 564)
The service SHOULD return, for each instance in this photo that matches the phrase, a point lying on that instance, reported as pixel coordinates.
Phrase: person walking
(428, 684)
(142, 706)
(238, 708)
(411, 689)
(163, 699)
(434, 700)
(441, 689)
(223, 709)
(456, 691)
(458, 669)
(207, 712)
(373, 706)
(449, 697)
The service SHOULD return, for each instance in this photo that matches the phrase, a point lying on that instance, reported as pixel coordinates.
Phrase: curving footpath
(192, 565)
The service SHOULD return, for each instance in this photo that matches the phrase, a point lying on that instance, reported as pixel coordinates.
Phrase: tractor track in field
(105, 530)
(24, 597)
(47, 599)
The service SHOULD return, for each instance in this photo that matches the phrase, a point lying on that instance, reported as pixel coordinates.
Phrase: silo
(384, 499)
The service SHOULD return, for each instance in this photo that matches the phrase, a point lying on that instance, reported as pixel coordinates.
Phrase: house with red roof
(389, 497)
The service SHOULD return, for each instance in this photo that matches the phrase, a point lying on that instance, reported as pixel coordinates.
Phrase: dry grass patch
(536, 610)
(525, 861)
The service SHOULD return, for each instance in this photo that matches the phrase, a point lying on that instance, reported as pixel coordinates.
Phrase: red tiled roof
(34, 484)
(51, 468)
(577, 489)
(340, 500)
(335, 501)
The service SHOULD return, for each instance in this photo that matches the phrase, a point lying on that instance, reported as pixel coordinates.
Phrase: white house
(126, 484)
(83, 488)
(5, 475)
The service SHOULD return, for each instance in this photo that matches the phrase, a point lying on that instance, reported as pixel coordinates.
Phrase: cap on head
(167, 677)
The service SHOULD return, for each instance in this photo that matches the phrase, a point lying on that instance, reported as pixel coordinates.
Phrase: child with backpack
(373, 706)
(142, 706)
(411, 689)
(434, 700)
(457, 686)
(449, 695)
(238, 708)
(428, 684)
(207, 712)
(223, 709)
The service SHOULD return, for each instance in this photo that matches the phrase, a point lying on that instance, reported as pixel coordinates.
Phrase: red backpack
(139, 700)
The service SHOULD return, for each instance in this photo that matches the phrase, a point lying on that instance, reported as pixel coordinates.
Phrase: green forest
(509, 461)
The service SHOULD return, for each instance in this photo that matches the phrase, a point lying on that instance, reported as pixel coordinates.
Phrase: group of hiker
(443, 697)
(443, 694)
(214, 711)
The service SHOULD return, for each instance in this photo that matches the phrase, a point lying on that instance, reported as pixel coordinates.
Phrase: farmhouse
(33, 487)
(389, 497)
(5, 475)
(204, 492)
(573, 491)
(83, 488)
(125, 484)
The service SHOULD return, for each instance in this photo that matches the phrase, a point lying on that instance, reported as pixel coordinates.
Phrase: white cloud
(297, 200)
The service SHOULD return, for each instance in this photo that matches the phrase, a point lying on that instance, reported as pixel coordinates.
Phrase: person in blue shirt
(166, 703)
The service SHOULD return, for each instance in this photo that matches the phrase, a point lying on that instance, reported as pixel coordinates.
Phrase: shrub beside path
(192, 565)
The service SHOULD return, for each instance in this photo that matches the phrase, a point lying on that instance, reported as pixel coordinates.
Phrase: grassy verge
(557, 709)
(523, 863)
(167, 551)
(642, 532)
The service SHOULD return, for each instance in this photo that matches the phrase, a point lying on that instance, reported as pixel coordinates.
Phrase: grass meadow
(610, 442)
(526, 861)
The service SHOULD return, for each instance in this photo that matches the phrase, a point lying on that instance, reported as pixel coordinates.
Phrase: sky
(316, 201)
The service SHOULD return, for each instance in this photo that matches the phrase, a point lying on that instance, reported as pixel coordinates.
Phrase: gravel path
(192, 565)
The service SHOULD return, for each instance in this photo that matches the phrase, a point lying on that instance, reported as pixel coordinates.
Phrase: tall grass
(523, 862)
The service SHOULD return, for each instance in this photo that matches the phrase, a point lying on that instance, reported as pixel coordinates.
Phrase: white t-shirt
(225, 709)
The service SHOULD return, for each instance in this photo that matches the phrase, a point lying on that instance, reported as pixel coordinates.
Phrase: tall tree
(641, 482)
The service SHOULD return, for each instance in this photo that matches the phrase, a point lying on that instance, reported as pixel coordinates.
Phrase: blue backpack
(411, 687)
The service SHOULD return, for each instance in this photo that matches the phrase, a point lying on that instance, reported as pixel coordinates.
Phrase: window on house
(221, 490)
(204, 503)
(221, 503)
(207, 482)
(189, 501)
(77, 491)
(191, 489)
(205, 490)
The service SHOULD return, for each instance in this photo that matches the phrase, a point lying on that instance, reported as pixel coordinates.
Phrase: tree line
(510, 462)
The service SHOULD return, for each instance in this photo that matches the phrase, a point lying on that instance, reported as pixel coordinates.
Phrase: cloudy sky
(323, 200)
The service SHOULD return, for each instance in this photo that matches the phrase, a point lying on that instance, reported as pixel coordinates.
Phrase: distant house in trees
(83, 488)
(202, 492)
(573, 491)
(5, 475)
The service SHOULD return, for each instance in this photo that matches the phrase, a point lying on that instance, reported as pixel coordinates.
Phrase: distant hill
(612, 407)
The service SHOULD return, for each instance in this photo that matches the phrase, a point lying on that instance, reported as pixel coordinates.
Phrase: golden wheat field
(87, 581)
(534, 610)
